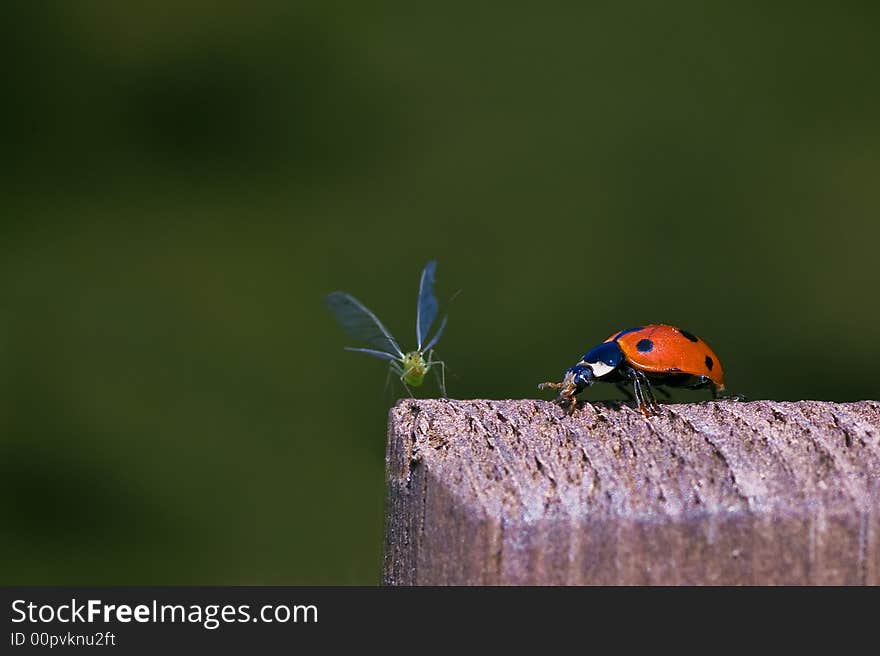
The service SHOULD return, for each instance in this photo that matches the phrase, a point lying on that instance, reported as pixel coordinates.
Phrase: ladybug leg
(630, 374)
(728, 396)
(567, 394)
(648, 391)
(640, 397)
(718, 392)
(644, 397)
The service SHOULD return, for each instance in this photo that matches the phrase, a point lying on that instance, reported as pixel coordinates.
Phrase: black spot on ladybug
(645, 345)
(709, 362)
(690, 336)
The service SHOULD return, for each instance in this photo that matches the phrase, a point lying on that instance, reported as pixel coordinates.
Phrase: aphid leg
(406, 387)
(403, 373)
(441, 377)
(394, 368)
(388, 378)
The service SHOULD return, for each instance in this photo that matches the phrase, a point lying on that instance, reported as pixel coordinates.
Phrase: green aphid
(361, 324)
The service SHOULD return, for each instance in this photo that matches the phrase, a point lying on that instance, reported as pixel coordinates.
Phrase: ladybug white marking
(599, 368)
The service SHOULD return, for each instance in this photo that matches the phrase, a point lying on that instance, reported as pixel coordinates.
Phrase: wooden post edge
(519, 493)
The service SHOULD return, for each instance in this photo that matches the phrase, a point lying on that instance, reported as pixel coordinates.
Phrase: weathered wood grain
(723, 492)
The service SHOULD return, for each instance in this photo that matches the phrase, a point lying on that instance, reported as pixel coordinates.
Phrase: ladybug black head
(580, 375)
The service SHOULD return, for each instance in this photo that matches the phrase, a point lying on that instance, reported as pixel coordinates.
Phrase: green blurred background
(184, 181)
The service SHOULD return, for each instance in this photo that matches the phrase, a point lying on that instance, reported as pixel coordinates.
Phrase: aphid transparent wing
(379, 354)
(360, 323)
(436, 336)
(427, 306)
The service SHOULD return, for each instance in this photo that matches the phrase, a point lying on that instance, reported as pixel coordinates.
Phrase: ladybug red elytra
(656, 354)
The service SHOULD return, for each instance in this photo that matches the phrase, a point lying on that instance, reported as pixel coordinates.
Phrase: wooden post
(722, 492)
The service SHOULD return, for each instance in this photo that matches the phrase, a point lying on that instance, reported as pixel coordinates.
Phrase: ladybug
(656, 354)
